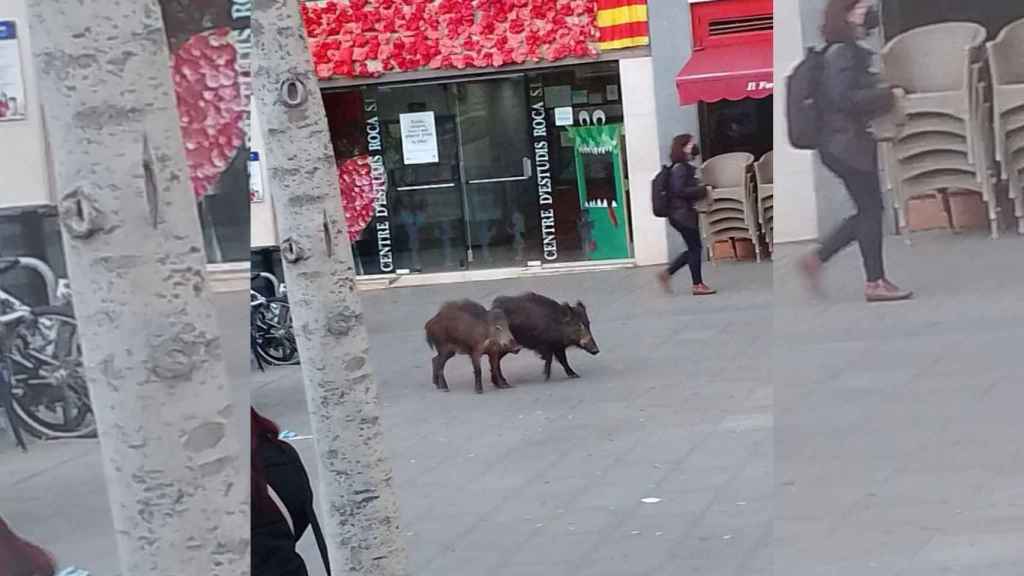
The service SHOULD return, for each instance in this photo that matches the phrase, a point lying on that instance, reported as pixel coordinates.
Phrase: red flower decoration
(369, 37)
(357, 197)
(211, 109)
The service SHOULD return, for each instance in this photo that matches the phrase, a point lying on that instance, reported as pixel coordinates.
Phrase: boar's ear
(567, 311)
(581, 307)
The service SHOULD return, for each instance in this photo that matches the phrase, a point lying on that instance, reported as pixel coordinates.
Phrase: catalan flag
(622, 23)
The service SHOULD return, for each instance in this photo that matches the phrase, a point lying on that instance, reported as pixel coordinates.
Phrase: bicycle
(42, 360)
(272, 339)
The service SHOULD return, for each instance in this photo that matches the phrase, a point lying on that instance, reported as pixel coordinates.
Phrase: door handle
(426, 187)
(527, 174)
(493, 180)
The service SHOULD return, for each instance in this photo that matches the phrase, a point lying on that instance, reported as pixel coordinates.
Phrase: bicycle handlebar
(15, 316)
(256, 299)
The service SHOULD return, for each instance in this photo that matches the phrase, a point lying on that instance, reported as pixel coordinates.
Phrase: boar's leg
(477, 372)
(564, 361)
(442, 358)
(497, 378)
(547, 356)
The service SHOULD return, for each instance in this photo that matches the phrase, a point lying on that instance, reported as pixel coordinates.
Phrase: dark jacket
(853, 96)
(273, 542)
(684, 190)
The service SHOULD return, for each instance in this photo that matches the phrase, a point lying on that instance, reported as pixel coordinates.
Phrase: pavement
(824, 437)
(548, 479)
(898, 426)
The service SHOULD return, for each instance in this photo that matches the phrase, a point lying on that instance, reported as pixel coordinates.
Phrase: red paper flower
(210, 106)
(357, 196)
(403, 35)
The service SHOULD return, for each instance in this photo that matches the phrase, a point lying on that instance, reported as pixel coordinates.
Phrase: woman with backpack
(683, 191)
(282, 503)
(850, 97)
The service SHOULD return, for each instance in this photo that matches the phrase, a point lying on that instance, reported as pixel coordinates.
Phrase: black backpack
(660, 192)
(803, 103)
(290, 490)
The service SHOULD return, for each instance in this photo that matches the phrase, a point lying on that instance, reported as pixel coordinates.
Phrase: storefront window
(481, 173)
(736, 126)
(212, 42)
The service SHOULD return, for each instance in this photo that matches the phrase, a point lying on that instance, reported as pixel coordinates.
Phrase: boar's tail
(430, 340)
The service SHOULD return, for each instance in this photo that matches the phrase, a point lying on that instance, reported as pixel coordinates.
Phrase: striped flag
(622, 23)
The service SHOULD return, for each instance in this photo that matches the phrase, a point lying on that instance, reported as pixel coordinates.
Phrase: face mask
(871, 19)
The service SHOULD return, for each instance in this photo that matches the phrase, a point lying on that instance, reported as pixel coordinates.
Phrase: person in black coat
(684, 191)
(282, 503)
(852, 96)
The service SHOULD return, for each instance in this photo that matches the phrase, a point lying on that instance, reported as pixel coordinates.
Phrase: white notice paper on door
(563, 116)
(419, 138)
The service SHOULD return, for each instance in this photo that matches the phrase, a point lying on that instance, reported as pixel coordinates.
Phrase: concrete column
(650, 244)
(796, 203)
(671, 46)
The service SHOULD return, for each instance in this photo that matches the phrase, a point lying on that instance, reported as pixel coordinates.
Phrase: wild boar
(465, 327)
(548, 328)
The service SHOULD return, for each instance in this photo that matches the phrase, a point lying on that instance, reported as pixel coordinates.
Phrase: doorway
(459, 174)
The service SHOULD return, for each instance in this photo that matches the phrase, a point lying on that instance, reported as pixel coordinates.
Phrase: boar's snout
(514, 347)
(588, 344)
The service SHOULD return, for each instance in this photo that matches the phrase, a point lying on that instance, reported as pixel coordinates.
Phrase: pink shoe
(885, 291)
(703, 290)
(810, 266)
(665, 281)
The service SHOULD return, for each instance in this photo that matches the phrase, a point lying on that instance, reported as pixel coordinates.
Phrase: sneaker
(810, 266)
(703, 290)
(665, 281)
(885, 291)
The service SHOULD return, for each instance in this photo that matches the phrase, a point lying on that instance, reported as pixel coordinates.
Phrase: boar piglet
(548, 328)
(465, 327)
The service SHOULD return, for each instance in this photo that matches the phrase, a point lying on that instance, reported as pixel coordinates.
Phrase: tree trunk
(176, 472)
(357, 498)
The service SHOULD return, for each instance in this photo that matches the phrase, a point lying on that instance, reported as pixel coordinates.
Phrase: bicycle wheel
(51, 398)
(275, 340)
(272, 327)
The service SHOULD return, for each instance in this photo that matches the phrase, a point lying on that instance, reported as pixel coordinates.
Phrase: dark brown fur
(465, 327)
(548, 328)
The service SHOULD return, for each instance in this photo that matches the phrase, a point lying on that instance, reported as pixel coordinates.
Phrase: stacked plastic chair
(944, 139)
(765, 184)
(729, 210)
(1006, 61)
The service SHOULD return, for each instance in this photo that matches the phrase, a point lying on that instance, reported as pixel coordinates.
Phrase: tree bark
(176, 472)
(359, 505)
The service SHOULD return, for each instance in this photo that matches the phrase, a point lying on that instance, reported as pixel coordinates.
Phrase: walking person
(684, 191)
(282, 503)
(850, 97)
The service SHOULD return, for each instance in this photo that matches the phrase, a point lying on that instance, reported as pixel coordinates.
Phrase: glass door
(421, 153)
(501, 206)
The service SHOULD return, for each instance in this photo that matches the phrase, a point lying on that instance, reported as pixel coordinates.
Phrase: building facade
(524, 140)
(214, 42)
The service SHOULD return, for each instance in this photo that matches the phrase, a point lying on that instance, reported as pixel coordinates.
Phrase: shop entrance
(459, 174)
(514, 170)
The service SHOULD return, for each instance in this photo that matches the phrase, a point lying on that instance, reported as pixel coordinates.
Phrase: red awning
(731, 72)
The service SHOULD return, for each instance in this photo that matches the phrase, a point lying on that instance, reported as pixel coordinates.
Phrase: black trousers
(865, 226)
(693, 254)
